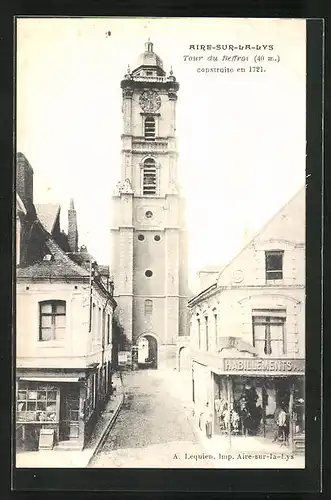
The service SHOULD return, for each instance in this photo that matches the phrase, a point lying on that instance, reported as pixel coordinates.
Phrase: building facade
(64, 310)
(248, 333)
(149, 233)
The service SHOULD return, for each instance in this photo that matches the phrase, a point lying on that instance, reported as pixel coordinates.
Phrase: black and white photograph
(160, 243)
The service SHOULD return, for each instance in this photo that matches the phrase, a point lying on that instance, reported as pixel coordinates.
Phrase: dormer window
(149, 131)
(274, 265)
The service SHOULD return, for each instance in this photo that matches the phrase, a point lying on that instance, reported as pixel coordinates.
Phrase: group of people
(244, 417)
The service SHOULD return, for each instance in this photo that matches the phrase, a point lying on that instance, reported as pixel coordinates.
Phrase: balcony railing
(161, 79)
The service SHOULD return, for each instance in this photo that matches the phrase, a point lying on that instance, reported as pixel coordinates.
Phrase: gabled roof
(213, 286)
(299, 193)
(60, 266)
(47, 213)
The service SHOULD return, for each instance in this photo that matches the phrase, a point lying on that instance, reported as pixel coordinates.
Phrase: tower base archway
(147, 352)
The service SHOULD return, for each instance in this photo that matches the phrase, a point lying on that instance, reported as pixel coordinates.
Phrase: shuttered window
(149, 131)
(149, 177)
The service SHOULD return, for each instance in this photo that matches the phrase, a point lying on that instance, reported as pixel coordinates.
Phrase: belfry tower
(149, 260)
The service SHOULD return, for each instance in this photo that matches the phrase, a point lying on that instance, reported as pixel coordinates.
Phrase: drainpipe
(90, 307)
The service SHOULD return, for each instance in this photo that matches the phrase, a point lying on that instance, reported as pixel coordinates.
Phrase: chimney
(72, 228)
(24, 181)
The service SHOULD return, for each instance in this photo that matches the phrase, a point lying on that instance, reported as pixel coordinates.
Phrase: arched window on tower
(149, 130)
(149, 176)
(148, 307)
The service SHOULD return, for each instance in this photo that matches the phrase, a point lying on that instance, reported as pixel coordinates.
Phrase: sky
(241, 135)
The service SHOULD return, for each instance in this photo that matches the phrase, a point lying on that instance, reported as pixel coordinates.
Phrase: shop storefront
(249, 392)
(245, 394)
(66, 404)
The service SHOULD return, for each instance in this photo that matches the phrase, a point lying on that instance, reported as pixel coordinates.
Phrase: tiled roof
(47, 214)
(61, 266)
(104, 270)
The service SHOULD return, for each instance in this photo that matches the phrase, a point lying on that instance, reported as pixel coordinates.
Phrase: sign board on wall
(122, 358)
(281, 366)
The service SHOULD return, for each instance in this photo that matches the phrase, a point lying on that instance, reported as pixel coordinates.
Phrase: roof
(47, 214)
(21, 158)
(212, 268)
(60, 265)
(20, 207)
(149, 58)
(220, 271)
(297, 195)
(104, 270)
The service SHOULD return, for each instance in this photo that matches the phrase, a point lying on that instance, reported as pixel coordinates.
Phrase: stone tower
(149, 259)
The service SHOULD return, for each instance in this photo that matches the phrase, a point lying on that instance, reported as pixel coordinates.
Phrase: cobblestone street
(152, 428)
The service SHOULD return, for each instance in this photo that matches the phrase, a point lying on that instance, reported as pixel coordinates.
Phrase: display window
(37, 404)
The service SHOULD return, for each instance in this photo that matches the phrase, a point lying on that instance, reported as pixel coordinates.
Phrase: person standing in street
(281, 421)
(276, 435)
(208, 421)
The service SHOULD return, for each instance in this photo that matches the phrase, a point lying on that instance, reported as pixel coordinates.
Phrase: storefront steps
(64, 456)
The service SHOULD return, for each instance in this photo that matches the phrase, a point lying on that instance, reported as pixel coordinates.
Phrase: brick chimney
(24, 181)
(72, 228)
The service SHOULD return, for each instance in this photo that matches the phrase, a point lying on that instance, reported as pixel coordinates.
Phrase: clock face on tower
(150, 101)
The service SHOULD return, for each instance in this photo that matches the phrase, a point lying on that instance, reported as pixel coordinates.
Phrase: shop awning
(50, 379)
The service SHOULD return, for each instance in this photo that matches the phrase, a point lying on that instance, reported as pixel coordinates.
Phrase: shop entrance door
(69, 413)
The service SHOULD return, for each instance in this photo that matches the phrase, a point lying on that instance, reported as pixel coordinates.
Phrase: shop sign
(238, 365)
(122, 358)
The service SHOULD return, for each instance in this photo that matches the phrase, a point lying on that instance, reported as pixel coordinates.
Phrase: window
(36, 404)
(274, 265)
(268, 332)
(52, 320)
(215, 327)
(141, 237)
(157, 237)
(148, 307)
(149, 131)
(108, 329)
(103, 326)
(99, 325)
(199, 333)
(94, 322)
(206, 331)
(148, 214)
(148, 273)
(149, 176)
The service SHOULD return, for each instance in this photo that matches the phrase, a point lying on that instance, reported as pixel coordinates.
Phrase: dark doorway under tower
(147, 355)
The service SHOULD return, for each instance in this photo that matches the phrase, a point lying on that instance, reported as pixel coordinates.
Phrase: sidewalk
(77, 458)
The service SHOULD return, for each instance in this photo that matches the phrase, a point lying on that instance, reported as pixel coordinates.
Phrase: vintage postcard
(160, 243)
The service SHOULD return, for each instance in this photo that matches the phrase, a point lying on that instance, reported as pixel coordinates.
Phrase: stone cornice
(214, 290)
